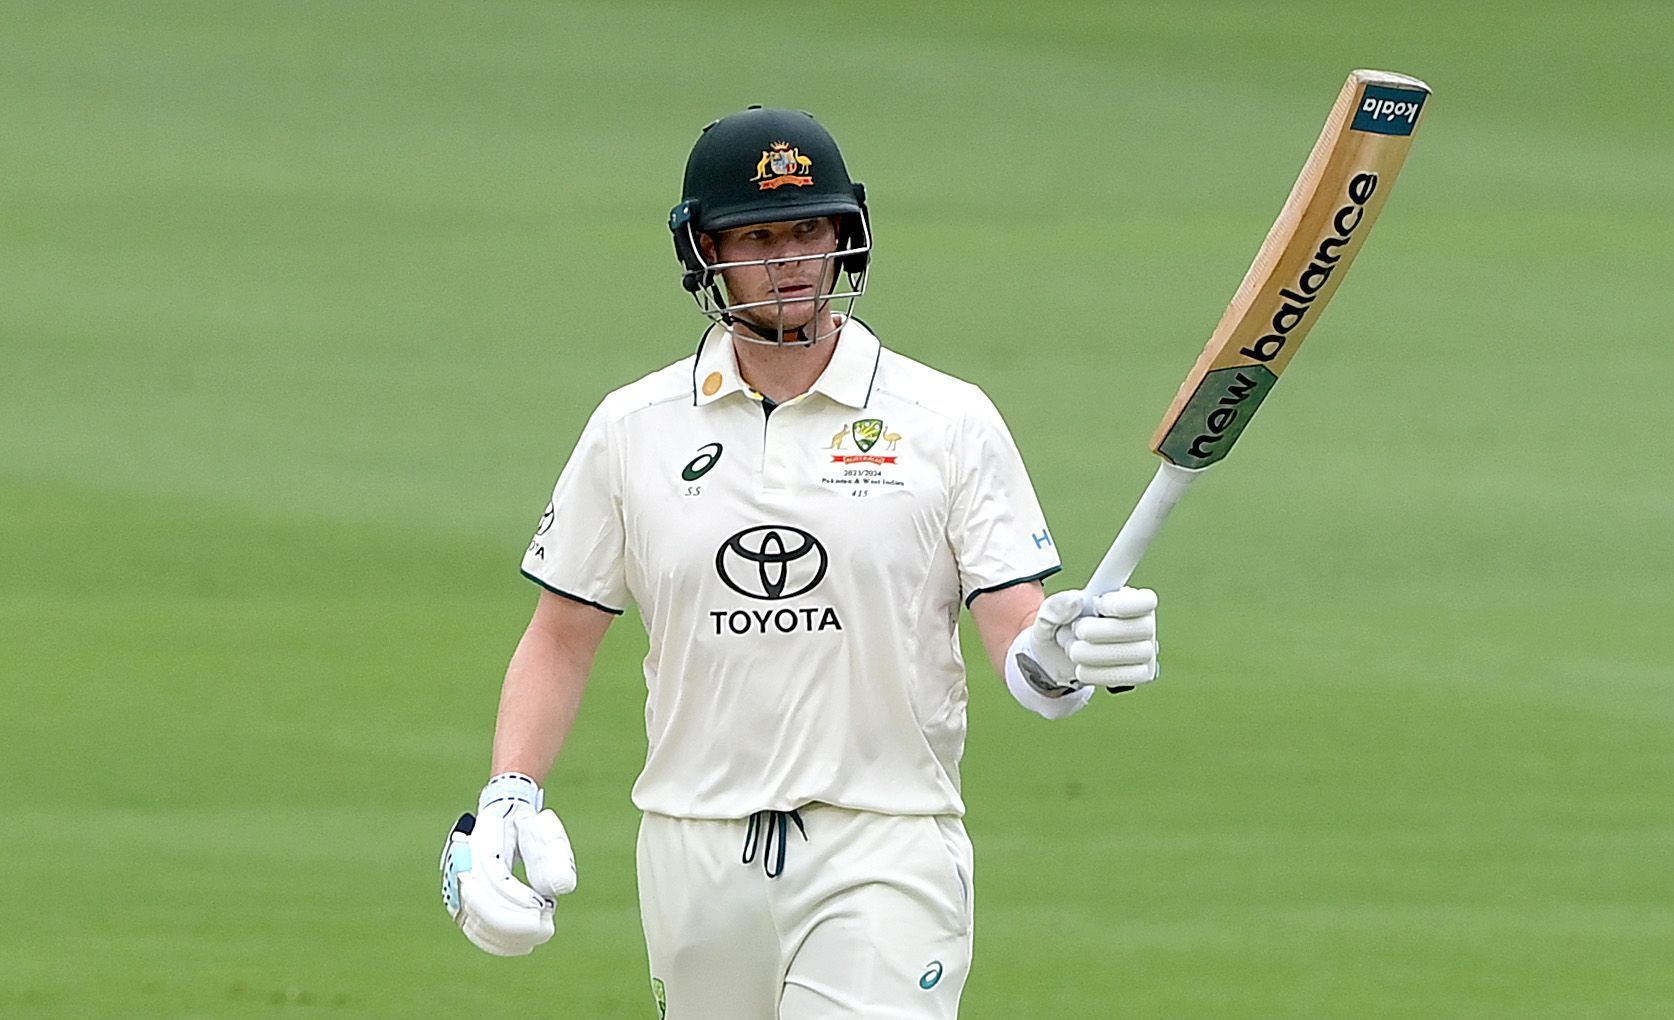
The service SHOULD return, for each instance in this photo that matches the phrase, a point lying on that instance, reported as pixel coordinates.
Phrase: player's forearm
(998, 640)
(543, 688)
(1002, 615)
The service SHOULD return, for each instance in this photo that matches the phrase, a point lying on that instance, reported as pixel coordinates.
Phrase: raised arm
(1002, 615)
(1054, 656)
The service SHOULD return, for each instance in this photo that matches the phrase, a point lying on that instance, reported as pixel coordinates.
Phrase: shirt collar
(715, 373)
(853, 368)
(847, 378)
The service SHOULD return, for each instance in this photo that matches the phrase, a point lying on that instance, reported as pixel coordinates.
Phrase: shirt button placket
(779, 449)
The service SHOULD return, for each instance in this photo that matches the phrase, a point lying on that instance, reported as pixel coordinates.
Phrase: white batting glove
(1054, 667)
(1117, 645)
(498, 913)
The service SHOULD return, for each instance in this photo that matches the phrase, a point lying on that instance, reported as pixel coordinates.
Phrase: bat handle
(1118, 565)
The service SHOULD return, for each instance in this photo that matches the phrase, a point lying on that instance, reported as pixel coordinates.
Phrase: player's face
(798, 287)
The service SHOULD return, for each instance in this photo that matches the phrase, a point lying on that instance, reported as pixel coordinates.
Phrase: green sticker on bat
(1215, 415)
(1385, 110)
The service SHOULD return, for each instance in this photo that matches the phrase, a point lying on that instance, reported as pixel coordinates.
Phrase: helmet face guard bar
(845, 285)
(844, 281)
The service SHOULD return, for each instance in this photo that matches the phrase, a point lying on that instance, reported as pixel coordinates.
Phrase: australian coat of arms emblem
(781, 165)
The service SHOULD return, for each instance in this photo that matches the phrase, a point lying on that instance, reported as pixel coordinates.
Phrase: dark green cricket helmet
(765, 165)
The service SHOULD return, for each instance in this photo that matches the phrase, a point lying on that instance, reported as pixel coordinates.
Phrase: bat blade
(1324, 223)
(1331, 208)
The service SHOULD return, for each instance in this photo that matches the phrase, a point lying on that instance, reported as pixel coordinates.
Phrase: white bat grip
(1165, 490)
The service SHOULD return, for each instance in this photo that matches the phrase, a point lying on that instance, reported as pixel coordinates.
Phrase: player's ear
(706, 244)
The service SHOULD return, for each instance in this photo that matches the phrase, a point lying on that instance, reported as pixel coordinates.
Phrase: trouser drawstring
(770, 827)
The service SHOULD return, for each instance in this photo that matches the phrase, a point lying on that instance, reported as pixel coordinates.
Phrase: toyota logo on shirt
(771, 562)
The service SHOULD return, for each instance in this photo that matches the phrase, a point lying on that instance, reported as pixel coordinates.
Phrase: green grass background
(303, 304)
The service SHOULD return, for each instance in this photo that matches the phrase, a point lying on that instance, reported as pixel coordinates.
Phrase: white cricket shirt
(800, 573)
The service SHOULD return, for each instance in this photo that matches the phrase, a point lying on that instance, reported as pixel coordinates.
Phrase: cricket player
(799, 513)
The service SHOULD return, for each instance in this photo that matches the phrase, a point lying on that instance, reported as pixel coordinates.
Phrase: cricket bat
(1336, 200)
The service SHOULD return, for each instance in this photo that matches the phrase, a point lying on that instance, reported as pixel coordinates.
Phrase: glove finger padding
(1107, 630)
(496, 911)
(1126, 603)
(502, 915)
(548, 858)
(1126, 653)
(499, 913)
(1117, 676)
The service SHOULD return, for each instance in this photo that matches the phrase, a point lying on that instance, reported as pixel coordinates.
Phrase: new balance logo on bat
(1220, 407)
(1296, 302)
(1216, 414)
(1220, 420)
(1389, 111)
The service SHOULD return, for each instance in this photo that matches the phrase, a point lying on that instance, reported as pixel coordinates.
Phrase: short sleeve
(995, 525)
(578, 546)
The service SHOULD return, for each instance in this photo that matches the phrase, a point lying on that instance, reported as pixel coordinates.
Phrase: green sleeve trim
(1043, 575)
(571, 595)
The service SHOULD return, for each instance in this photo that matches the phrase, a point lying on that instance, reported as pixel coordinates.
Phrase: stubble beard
(803, 313)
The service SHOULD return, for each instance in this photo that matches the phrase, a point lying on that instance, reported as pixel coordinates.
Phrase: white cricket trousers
(848, 914)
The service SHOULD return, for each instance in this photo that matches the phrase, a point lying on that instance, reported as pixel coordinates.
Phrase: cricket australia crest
(780, 165)
(866, 433)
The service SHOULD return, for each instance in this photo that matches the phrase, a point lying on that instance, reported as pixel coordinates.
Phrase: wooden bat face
(1336, 199)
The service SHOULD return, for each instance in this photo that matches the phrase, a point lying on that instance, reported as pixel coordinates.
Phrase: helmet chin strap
(780, 337)
(796, 337)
